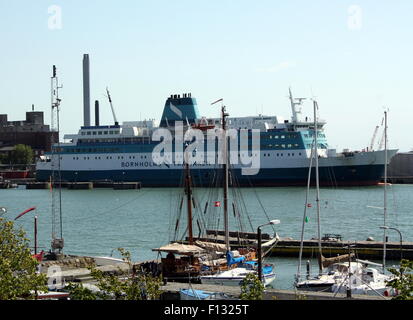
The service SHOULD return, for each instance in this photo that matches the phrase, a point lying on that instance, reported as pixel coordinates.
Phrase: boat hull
(276, 177)
(234, 281)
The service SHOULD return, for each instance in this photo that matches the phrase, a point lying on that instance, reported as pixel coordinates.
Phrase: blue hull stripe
(329, 176)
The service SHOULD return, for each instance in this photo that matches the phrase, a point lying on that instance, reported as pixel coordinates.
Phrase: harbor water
(96, 222)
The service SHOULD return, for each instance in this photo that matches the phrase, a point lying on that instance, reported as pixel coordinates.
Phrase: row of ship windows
(84, 150)
(107, 150)
(109, 157)
(290, 136)
(281, 154)
(145, 157)
(320, 135)
(282, 146)
(116, 140)
(94, 133)
(320, 146)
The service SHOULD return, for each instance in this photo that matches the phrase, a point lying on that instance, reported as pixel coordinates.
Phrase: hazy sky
(355, 57)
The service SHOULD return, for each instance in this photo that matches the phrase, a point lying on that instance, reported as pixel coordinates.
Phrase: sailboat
(238, 266)
(185, 261)
(336, 269)
(369, 280)
(207, 260)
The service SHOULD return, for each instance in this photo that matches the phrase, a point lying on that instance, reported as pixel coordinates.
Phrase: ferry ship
(125, 152)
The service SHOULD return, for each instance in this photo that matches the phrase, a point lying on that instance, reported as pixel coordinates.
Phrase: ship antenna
(294, 103)
(111, 106)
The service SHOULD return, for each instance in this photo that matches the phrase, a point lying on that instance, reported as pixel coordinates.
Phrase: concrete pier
(126, 185)
(288, 247)
(75, 269)
(171, 292)
(37, 185)
(363, 249)
(80, 185)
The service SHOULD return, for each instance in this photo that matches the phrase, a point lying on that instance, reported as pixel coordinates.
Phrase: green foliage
(138, 286)
(18, 276)
(4, 159)
(78, 292)
(403, 280)
(251, 288)
(22, 154)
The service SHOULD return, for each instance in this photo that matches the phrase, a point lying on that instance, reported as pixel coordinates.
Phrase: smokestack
(96, 112)
(86, 91)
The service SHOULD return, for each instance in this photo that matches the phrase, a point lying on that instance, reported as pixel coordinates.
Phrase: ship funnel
(86, 91)
(96, 113)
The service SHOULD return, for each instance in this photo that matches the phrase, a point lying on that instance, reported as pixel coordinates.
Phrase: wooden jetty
(75, 269)
(288, 247)
(82, 185)
(126, 185)
(171, 292)
(79, 185)
(362, 249)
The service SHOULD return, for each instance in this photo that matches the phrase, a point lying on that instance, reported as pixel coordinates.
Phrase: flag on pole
(39, 256)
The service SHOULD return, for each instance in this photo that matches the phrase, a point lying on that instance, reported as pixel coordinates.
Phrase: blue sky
(247, 52)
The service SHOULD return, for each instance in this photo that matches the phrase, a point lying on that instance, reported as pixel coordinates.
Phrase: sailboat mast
(317, 184)
(304, 217)
(385, 192)
(225, 168)
(189, 203)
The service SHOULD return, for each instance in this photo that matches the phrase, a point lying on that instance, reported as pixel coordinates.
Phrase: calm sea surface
(97, 221)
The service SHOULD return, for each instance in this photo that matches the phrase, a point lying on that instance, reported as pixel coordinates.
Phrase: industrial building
(32, 132)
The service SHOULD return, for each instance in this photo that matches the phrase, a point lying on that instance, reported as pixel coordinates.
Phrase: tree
(251, 288)
(403, 280)
(79, 292)
(4, 159)
(18, 275)
(137, 286)
(22, 154)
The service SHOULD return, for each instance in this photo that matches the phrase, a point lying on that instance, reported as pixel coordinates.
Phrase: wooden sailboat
(242, 262)
(205, 259)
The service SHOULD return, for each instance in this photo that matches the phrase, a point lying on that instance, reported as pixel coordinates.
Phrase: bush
(18, 275)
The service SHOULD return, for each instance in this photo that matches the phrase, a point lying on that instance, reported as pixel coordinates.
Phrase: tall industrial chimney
(96, 113)
(86, 91)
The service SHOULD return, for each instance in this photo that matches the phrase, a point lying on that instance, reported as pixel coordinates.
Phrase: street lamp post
(259, 251)
(401, 238)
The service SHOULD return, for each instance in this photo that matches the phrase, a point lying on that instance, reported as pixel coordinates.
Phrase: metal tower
(57, 229)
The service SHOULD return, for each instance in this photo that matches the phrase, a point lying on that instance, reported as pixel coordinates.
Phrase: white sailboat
(336, 270)
(369, 280)
(193, 294)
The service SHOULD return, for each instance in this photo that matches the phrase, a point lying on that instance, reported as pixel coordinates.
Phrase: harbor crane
(111, 106)
(373, 138)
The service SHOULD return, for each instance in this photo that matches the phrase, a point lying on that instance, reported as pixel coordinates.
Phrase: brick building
(32, 132)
